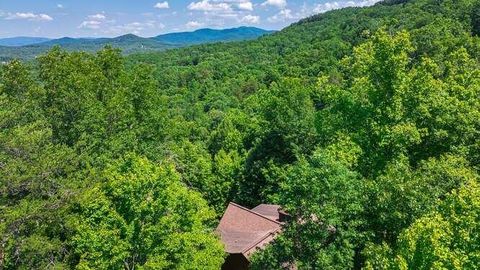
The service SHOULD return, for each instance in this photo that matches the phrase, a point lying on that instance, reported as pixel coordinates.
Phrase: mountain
(362, 123)
(212, 35)
(21, 41)
(64, 41)
(127, 43)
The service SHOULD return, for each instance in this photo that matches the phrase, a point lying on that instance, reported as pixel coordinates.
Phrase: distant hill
(212, 35)
(128, 43)
(65, 41)
(21, 41)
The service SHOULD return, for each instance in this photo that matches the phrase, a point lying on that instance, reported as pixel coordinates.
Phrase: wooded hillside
(363, 123)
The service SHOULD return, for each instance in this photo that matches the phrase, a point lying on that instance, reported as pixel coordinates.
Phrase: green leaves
(16, 80)
(95, 105)
(285, 114)
(325, 200)
(446, 238)
(36, 184)
(109, 162)
(407, 127)
(141, 215)
(390, 108)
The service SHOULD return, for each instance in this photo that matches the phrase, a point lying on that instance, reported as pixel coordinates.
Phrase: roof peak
(253, 212)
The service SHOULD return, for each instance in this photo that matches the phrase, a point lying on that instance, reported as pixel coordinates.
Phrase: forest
(362, 123)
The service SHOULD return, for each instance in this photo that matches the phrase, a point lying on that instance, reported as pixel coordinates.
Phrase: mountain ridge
(130, 43)
(227, 34)
(22, 41)
(212, 35)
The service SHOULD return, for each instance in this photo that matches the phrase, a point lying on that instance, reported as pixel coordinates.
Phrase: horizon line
(166, 33)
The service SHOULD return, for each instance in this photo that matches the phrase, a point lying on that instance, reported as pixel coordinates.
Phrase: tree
(37, 178)
(325, 201)
(286, 130)
(446, 238)
(402, 194)
(475, 17)
(16, 79)
(392, 106)
(140, 215)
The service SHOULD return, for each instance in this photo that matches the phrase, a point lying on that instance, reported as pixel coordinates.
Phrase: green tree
(446, 238)
(391, 106)
(140, 215)
(286, 130)
(325, 200)
(37, 178)
(402, 194)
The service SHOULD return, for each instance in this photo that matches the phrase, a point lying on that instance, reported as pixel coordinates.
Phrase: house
(243, 231)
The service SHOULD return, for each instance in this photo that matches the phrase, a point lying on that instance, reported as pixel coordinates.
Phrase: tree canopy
(363, 123)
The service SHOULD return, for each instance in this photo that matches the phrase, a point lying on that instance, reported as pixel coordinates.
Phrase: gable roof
(272, 211)
(243, 230)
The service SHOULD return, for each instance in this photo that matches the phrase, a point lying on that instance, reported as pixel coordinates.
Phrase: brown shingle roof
(268, 210)
(243, 230)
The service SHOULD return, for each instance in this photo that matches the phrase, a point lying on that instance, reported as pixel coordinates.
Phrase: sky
(109, 18)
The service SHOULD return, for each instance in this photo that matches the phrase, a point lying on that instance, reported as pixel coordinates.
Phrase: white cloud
(98, 16)
(194, 24)
(93, 22)
(59, 6)
(250, 19)
(134, 27)
(28, 16)
(94, 25)
(245, 6)
(283, 15)
(286, 14)
(90, 25)
(321, 8)
(276, 3)
(162, 5)
(111, 28)
(218, 13)
(206, 5)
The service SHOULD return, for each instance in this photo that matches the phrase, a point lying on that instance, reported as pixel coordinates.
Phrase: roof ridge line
(253, 212)
(261, 239)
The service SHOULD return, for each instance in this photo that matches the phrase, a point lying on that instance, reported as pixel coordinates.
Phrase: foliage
(141, 216)
(325, 200)
(36, 178)
(363, 123)
(446, 238)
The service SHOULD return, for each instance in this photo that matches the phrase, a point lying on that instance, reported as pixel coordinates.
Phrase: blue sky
(108, 18)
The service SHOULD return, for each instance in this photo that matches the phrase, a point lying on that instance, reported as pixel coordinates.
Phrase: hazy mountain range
(29, 47)
(21, 41)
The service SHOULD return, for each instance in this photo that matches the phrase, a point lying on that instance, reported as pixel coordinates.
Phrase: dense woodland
(363, 123)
